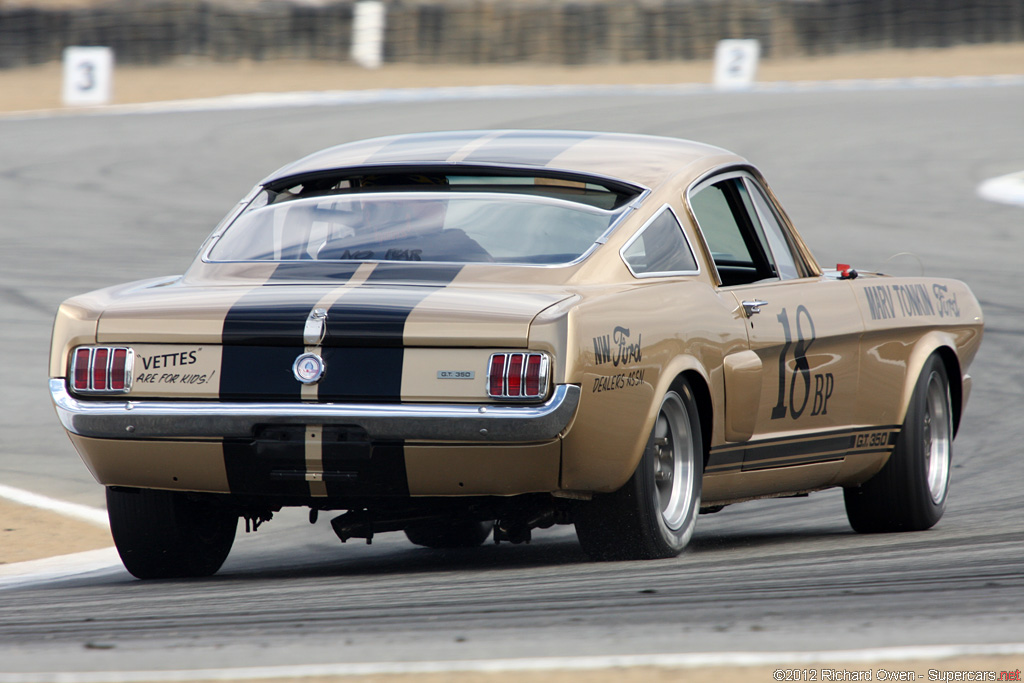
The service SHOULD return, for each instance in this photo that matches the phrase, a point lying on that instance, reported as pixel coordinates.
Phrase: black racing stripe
(261, 338)
(786, 451)
(808, 437)
(720, 461)
(826, 448)
(264, 322)
(355, 470)
(372, 316)
(340, 272)
(434, 147)
(330, 271)
(723, 469)
(361, 374)
(789, 461)
(363, 347)
(797, 453)
(415, 273)
(259, 373)
(272, 464)
(269, 316)
(531, 148)
(375, 314)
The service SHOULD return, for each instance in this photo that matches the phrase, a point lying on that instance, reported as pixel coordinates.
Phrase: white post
(88, 75)
(736, 64)
(368, 34)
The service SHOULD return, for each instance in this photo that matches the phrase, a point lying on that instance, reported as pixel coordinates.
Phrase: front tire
(909, 493)
(165, 534)
(653, 515)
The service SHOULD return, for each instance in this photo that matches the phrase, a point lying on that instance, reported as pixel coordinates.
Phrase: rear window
(443, 224)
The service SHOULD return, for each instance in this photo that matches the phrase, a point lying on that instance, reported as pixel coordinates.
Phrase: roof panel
(643, 159)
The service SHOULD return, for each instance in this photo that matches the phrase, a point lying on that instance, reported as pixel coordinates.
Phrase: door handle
(752, 307)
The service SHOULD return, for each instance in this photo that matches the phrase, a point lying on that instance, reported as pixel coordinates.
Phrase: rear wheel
(164, 534)
(462, 533)
(654, 513)
(909, 493)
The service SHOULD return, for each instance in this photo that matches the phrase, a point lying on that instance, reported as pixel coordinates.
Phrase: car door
(805, 329)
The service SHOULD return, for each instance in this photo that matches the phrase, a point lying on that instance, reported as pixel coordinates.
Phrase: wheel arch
(686, 367)
(955, 376)
(581, 472)
(942, 346)
(705, 407)
(641, 519)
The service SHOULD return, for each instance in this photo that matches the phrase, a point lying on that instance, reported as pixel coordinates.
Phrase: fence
(500, 31)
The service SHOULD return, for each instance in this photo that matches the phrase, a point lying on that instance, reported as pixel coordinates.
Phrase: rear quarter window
(660, 248)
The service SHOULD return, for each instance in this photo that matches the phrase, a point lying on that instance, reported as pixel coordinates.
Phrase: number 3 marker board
(88, 75)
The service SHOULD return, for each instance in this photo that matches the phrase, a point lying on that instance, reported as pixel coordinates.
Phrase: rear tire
(165, 535)
(461, 533)
(653, 515)
(909, 493)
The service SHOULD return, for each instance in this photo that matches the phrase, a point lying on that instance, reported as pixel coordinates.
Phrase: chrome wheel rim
(673, 462)
(936, 435)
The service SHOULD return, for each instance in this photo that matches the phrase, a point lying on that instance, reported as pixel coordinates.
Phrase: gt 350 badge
(456, 374)
(309, 368)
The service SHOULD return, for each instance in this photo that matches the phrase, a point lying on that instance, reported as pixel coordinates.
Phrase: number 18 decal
(824, 383)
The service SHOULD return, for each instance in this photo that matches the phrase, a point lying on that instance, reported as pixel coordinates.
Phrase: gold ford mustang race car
(457, 333)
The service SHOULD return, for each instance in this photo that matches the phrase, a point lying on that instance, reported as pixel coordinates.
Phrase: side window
(747, 242)
(773, 230)
(660, 248)
(718, 224)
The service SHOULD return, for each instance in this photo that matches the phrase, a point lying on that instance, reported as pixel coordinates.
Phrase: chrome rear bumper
(415, 422)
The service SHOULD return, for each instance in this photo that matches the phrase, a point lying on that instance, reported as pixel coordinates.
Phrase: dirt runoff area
(28, 533)
(39, 88)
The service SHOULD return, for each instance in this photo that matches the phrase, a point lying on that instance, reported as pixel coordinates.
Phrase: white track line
(420, 95)
(80, 512)
(1007, 189)
(35, 572)
(672, 661)
(21, 574)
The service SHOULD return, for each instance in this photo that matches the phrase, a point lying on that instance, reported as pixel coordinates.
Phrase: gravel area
(39, 88)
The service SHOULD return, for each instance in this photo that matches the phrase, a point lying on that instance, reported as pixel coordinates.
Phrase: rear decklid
(381, 342)
(378, 315)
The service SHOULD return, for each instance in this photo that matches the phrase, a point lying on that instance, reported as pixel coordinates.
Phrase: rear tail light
(119, 372)
(514, 376)
(517, 375)
(532, 386)
(496, 375)
(102, 369)
(80, 369)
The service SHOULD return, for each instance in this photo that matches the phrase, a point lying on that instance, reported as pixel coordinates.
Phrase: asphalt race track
(865, 174)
